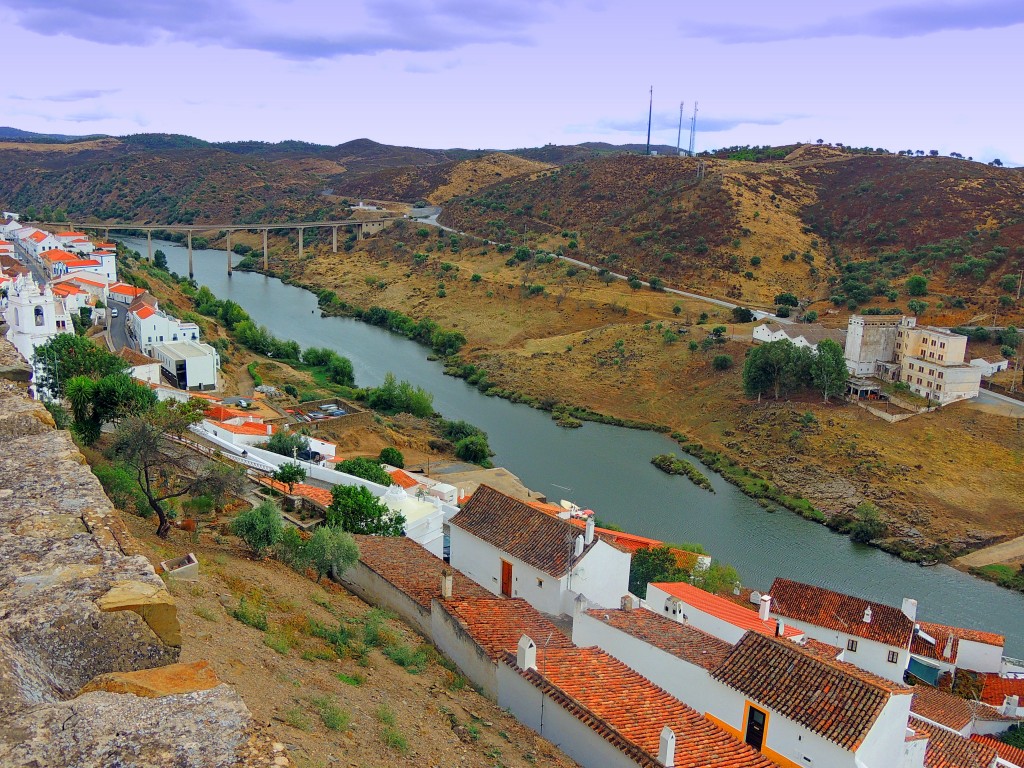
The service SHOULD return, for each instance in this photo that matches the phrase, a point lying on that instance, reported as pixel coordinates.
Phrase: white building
(420, 485)
(721, 618)
(876, 637)
(144, 369)
(189, 364)
(990, 369)
(75, 241)
(937, 649)
(807, 336)
(513, 550)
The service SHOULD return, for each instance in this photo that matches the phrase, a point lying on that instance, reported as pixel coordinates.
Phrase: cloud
(70, 96)
(418, 68)
(664, 122)
(894, 22)
(296, 31)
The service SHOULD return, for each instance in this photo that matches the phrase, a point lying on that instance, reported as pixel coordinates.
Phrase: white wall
(546, 717)
(374, 589)
(481, 562)
(979, 657)
(885, 743)
(453, 640)
(870, 654)
(656, 600)
(602, 576)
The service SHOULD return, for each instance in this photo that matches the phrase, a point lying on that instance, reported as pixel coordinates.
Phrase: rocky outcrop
(79, 611)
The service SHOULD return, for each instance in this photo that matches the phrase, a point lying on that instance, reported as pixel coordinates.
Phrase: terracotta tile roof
(823, 697)
(681, 640)
(320, 495)
(629, 711)
(995, 689)
(962, 633)
(220, 413)
(87, 281)
(144, 312)
(726, 610)
(82, 263)
(405, 480)
(66, 290)
(248, 428)
(125, 290)
(58, 255)
(944, 641)
(820, 649)
(412, 569)
(951, 750)
(516, 528)
(843, 613)
(1007, 752)
(497, 623)
(37, 236)
(952, 711)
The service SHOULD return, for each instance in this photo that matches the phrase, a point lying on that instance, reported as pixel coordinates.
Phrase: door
(755, 728)
(506, 578)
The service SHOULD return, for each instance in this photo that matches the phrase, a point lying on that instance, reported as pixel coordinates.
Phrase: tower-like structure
(693, 129)
(32, 316)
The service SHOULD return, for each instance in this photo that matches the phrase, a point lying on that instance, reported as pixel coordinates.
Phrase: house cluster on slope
(806, 677)
(81, 280)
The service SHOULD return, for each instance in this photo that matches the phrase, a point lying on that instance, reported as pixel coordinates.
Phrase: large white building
(801, 335)
(191, 365)
(34, 316)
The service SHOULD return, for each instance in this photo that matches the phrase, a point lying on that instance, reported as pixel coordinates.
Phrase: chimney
(579, 606)
(766, 607)
(588, 536)
(947, 653)
(627, 603)
(447, 582)
(910, 608)
(1010, 704)
(526, 653)
(577, 549)
(780, 628)
(667, 747)
(867, 615)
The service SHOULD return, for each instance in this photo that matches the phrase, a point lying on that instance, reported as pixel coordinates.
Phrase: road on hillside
(758, 313)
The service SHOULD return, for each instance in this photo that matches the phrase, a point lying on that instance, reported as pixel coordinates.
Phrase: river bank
(608, 469)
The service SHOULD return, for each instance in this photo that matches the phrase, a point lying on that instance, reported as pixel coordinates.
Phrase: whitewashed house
(876, 637)
(514, 550)
(75, 241)
(144, 369)
(712, 614)
(964, 716)
(937, 649)
(990, 369)
(807, 336)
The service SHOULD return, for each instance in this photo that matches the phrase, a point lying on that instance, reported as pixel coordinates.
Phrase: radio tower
(679, 136)
(650, 114)
(693, 129)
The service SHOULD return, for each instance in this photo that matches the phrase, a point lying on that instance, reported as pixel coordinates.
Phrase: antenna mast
(650, 114)
(693, 129)
(679, 136)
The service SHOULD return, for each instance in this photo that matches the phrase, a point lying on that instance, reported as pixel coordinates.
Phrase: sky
(900, 74)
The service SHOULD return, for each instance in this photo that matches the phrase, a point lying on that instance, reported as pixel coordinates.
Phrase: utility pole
(1019, 281)
(679, 136)
(650, 114)
(693, 130)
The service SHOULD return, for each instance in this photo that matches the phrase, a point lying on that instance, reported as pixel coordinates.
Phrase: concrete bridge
(359, 226)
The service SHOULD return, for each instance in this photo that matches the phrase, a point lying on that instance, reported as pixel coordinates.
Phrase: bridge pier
(149, 243)
(301, 231)
(359, 231)
(191, 274)
(228, 248)
(334, 233)
(266, 260)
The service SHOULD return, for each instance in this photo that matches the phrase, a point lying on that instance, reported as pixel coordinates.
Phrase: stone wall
(78, 610)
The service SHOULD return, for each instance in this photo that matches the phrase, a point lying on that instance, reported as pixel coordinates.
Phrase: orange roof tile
(66, 290)
(221, 413)
(995, 689)
(37, 236)
(962, 633)
(126, 290)
(321, 496)
(404, 479)
(843, 613)
(248, 428)
(682, 640)
(411, 569)
(629, 711)
(951, 750)
(145, 312)
(82, 263)
(497, 623)
(1007, 752)
(819, 695)
(58, 255)
(86, 281)
(135, 358)
(726, 610)
(950, 710)
(514, 527)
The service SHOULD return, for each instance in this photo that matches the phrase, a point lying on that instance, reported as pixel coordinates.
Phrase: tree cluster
(781, 367)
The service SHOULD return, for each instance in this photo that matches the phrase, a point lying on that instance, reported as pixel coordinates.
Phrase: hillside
(832, 227)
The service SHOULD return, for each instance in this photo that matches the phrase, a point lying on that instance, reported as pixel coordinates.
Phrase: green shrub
(250, 614)
(722, 362)
(392, 456)
(259, 527)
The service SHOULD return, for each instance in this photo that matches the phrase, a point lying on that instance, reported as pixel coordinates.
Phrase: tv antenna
(679, 136)
(650, 114)
(693, 129)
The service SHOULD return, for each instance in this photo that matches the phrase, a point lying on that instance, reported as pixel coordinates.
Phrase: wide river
(608, 469)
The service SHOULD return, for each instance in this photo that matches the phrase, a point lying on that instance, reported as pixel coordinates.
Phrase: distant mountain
(6, 132)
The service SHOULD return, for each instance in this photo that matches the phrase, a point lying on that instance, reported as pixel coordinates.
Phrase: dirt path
(997, 553)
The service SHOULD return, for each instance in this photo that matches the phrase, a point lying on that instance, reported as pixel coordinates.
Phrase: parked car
(113, 311)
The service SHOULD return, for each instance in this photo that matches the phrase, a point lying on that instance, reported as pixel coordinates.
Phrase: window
(540, 583)
(851, 645)
(893, 657)
(940, 374)
(942, 345)
(938, 387)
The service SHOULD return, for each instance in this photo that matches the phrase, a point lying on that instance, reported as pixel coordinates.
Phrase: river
(608, 469)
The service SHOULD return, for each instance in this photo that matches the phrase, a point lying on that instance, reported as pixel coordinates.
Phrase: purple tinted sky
(902, 74)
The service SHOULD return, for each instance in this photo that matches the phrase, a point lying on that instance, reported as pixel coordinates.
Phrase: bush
(474, 449)
(810, 317)
(917, 285)
(330, 548)
(783, 310)
(392, 456)
(259, 527)
(742, 315)
(722, 362)
(869, 525)
(367, 469)
(787, 299)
